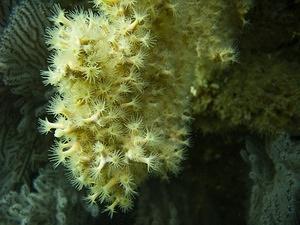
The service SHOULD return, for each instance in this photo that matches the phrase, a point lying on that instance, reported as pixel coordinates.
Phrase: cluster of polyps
(114, 122)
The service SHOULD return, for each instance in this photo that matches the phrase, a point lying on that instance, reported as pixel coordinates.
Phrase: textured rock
(275, 166)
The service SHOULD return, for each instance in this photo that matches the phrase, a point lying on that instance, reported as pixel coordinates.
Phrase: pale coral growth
(123, 95)
(216, 28)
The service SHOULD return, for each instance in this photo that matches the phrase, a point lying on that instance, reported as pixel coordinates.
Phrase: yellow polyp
(56, 125)
(97, 170)
(112, 182)
(59, 132)
(111, 208)
(92, 198)
(132, 26)
(92, 119)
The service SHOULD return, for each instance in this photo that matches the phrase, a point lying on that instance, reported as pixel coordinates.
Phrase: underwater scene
(149, 112)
